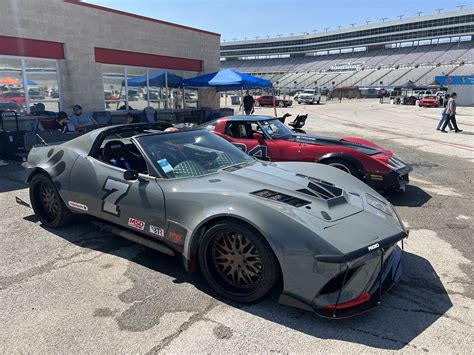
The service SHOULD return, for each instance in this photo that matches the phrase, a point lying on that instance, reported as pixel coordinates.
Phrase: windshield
(275, 129)
(190, 153)
(309, 92)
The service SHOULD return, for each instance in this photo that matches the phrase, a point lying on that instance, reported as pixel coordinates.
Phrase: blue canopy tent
(227, 79)
(160, 79)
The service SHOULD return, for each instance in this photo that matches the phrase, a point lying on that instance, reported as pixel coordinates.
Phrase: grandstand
(386, 54)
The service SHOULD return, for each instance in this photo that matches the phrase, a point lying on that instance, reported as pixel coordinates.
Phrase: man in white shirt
(451, 113)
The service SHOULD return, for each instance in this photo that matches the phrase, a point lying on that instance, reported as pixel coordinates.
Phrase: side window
(240, 130)
(119, 151)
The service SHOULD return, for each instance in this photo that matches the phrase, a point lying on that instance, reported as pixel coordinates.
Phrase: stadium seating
(387, 67)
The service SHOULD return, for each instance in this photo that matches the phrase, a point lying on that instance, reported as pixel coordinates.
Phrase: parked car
(15, 96)
(328, 241)
(10, 106)
(267, 138)
(133, 95)
(267, 100)
(35, 94)
(429, 101)
(309, 96)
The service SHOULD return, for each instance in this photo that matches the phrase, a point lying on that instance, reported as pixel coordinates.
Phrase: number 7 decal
(116, 190)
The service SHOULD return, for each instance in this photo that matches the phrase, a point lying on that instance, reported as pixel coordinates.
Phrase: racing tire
(47, 203)
(281, 104)
(299, 102)
(317, 102)
(343, 165)
(237, 262)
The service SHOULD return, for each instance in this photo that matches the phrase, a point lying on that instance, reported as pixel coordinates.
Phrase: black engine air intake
(280, 197)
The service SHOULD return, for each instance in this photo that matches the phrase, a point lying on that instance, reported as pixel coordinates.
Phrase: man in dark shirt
(248, 102)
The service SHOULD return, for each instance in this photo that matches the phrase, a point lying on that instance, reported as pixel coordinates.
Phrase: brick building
(63, 52)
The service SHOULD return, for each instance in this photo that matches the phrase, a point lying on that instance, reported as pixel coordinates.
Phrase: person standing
(249, 102)
(444, 116)
(451, 113)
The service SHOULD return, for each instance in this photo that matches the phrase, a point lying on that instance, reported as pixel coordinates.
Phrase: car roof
(250, 118)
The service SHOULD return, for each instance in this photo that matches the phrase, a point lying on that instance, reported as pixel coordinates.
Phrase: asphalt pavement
(80, 290)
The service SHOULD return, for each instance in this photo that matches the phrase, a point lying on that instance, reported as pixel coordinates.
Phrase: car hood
(362, 146)
(319, 199)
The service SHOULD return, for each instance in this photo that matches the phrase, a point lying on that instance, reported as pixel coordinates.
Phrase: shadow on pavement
(12, 177)
(411, 307)
(413, 196)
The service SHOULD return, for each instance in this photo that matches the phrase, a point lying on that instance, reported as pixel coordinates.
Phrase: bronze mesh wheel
(237, 261)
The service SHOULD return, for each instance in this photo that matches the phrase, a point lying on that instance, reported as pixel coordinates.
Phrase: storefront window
(42, 81)
(12, 94)
(113, 77)
(27, 82)
(135, 88)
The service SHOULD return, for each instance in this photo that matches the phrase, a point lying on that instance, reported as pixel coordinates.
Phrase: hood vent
(280, 197)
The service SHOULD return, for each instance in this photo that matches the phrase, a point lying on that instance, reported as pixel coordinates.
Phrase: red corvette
(267, 138)
(429, 101)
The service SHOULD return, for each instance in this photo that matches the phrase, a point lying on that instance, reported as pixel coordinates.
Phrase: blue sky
(250, 18)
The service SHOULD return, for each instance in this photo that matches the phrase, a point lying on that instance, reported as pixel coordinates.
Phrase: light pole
(352, 24)
(400, 16)
(326, 29)
(339, 27)
(367, 22)
(460, 7)
(419, 13)
(383, 19)
(439, 10)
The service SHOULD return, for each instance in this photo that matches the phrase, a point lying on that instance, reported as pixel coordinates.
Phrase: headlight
(384, 210)
(380, 205)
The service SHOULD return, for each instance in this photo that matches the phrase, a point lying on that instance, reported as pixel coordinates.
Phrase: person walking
(444, 116)
(451, 112)
(248, 101)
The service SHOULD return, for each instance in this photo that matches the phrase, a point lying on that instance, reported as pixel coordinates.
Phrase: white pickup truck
(309, 96)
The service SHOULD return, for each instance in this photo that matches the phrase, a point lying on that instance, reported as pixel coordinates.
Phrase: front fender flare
(349, 158)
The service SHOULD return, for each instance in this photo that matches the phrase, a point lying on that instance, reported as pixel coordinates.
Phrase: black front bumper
(396, 179)
(390, 273)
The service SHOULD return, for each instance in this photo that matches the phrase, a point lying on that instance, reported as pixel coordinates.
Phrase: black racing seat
(299, 121)
(117, 154)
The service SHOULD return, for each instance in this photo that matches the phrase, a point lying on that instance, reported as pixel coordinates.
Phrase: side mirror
(258, 136)
(130, 175)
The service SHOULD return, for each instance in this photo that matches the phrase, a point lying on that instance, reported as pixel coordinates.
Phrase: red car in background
(267, 138)
(429, 101)
(267, 100)
(17, 97)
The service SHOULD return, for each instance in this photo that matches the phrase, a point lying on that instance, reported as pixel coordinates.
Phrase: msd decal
(135, 223)
(78, 206)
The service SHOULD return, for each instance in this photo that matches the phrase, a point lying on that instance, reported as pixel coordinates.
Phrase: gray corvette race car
(327, 239)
